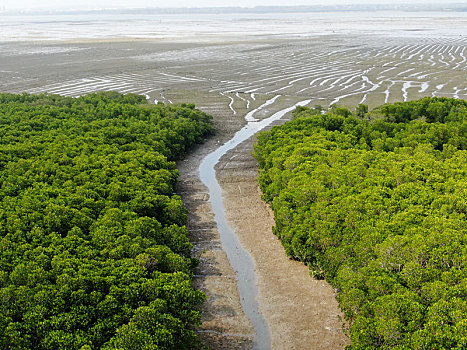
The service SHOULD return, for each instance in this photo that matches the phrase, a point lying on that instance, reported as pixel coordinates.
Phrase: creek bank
(301, 312)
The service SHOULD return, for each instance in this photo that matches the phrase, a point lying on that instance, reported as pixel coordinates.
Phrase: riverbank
(225, 325)
(300, 311)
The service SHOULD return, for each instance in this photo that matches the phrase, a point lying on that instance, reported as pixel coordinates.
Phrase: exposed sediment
(228, 79)
(225, 325)
(302, 312)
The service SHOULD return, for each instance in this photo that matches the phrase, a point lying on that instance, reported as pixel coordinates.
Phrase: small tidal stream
(239, 258)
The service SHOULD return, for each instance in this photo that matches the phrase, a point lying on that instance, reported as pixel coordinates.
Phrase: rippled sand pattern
(244, 80)
(333, 70)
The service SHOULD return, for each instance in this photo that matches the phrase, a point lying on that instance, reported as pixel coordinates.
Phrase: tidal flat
(230, 69)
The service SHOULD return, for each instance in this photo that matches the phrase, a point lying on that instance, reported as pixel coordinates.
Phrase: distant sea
(208, 27)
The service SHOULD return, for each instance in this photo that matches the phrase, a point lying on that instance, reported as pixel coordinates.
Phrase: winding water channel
(239, 258)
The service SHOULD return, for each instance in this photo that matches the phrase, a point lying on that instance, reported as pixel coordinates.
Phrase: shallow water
(239, 258)
(205, 26)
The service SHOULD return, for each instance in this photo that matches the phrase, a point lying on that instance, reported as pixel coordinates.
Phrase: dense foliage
(94, 254)
(378, 207)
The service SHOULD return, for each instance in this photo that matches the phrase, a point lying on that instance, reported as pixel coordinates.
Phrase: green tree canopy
(94, 252)
(378, 208)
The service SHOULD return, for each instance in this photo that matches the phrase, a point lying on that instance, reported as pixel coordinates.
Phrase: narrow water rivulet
(239, 258)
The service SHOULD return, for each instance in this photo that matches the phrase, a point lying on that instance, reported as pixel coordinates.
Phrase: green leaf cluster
(94, 252)
(378, 208)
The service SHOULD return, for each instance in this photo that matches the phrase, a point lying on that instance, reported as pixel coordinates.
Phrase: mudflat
(229, 76)
(302, 312)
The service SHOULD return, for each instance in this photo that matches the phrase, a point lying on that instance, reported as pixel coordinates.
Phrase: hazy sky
(73, 4)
